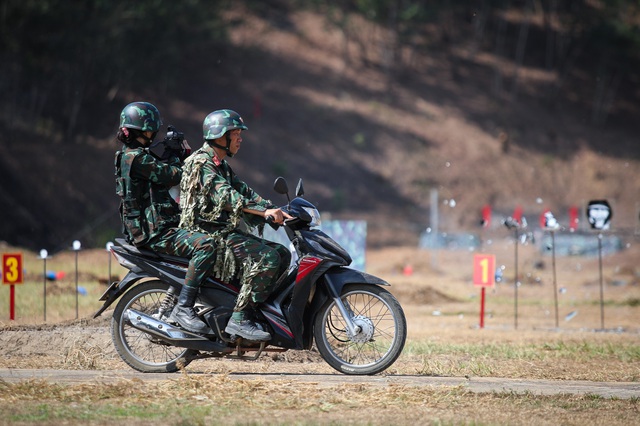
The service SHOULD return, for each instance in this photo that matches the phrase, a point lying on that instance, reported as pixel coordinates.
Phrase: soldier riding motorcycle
(358, 326)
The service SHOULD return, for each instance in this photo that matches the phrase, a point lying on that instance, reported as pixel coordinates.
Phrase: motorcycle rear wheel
(380, 341)
(138, 349)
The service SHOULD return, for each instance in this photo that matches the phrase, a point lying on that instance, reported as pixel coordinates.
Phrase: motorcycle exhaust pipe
(171, 334)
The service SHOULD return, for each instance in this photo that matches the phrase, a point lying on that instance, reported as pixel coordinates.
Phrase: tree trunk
(521, 48)
(550, 14)
(501, 36)
(479, 25)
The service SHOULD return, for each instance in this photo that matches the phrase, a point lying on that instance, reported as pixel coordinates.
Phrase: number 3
(11, 271)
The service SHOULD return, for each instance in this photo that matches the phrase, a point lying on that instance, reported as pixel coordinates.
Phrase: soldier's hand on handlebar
(278, 216)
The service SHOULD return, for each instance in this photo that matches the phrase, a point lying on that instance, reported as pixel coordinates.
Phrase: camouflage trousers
(261, 263)
(199, 247)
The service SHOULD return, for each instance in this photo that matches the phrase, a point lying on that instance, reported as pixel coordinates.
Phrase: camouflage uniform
(212, 199)
(150, 215)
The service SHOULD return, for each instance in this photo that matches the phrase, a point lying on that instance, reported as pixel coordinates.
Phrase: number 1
(484, 265)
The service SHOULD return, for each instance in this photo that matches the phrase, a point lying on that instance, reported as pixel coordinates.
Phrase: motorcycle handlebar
(271, 223)
(274, 225)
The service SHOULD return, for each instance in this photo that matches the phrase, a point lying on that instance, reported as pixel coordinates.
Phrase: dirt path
(474, 384)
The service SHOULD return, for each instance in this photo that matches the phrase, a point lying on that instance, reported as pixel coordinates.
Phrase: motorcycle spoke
(371, 308)
(338, 332)
(141, 345)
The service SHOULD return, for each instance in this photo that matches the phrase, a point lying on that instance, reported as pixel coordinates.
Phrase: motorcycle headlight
(314, 214)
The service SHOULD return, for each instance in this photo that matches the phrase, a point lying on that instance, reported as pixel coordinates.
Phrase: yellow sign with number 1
(484, 267)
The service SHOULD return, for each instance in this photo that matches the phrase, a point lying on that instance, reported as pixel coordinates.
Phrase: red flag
(573, 218)
(543, 221)
(486, 216)
(517, 214)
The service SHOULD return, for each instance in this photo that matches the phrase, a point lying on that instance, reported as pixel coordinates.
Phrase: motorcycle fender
(338, 277)
(117, 289)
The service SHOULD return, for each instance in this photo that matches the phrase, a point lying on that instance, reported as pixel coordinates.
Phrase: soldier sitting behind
(149, 214)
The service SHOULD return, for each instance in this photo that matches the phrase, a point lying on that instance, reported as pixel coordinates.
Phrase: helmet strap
(228, 148)
(148, 140)
(131, 138)
(215, 145)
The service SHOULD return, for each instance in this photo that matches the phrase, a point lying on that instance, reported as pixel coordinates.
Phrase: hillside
(370, 139)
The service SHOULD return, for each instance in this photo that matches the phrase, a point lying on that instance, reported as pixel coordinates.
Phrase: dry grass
(442, 309)
(219, 400)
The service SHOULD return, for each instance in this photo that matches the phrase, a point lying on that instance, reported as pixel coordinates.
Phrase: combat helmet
(141, 116)
(218, 123)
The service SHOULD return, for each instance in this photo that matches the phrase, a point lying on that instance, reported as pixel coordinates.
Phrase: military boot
(184, 314)
(246, 328)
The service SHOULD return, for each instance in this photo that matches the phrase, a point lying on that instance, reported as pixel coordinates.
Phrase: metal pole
(76, 247)
(555, 283)
(482, 307)
(601, 281)
(44, 285)
(516, 282)
(76, 284)
(12, 303)
(434, 226)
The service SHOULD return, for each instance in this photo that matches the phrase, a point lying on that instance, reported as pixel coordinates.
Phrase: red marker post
(484, 266)
(11, 275)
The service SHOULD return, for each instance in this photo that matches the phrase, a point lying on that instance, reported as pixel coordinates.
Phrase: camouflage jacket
(147, 209)
(212, 196)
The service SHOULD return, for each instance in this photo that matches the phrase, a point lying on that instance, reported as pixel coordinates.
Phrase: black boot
(247, 328)
(184, 314)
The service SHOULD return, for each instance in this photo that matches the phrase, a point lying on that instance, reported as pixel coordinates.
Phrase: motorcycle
(358, 326)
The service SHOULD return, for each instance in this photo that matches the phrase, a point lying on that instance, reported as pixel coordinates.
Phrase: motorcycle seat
(149, 253)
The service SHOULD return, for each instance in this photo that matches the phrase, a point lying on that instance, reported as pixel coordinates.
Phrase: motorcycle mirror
(280, 185)
(299, 189)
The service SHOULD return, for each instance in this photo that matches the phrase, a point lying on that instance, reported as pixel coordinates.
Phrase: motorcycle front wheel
(141, 350)
(381, 334)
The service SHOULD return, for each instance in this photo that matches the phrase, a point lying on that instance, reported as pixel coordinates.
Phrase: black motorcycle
(358, 326)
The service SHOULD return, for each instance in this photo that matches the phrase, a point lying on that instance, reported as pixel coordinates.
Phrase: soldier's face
(144, 141)
(236, 140)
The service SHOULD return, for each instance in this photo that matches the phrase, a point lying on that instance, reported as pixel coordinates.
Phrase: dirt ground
(441, 305)
(451, 370)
